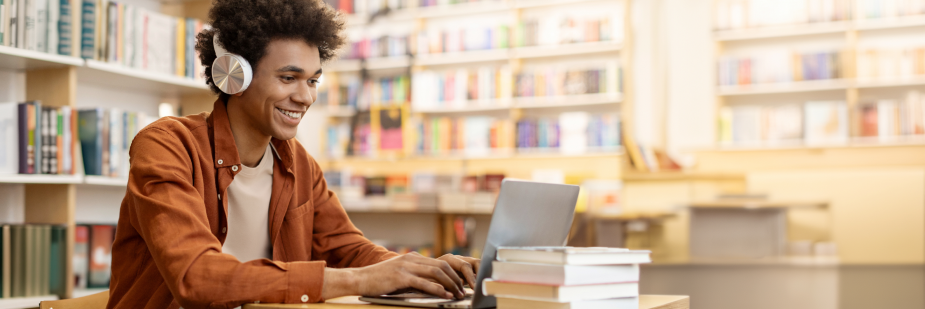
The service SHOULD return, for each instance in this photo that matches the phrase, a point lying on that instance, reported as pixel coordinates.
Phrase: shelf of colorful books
(344, 65)
(782, 31)
(790, 87)
(890, 23)
(386, 63)
(41, 179)
(25, 302)
(462, 57)
(568, 100)
(891, 82)
(87, 292)
(105, 181)
(575, 49)
(121, 77)
(468, 107)
(20, 59)
(341, 111)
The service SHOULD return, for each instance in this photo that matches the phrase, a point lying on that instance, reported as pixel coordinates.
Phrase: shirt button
(219, 196)
(219, 161)
(224, 229)
(234, 168)
(304, 298)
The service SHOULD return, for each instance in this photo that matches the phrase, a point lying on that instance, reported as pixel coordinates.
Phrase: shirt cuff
(306, 280)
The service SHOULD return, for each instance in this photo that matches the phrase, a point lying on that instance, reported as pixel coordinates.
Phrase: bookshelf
(862, 47)
(78, 83)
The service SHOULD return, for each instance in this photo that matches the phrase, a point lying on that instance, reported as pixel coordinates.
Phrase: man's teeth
(292, 115)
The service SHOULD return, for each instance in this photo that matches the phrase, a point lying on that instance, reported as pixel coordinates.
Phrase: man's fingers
(469, 274)
(438, 275)
(446, 268)
(429, 287)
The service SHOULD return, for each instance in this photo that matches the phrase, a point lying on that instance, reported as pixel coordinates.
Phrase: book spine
(23, 137)
(88, 29)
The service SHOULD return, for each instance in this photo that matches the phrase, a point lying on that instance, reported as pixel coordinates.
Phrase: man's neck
(251, 143)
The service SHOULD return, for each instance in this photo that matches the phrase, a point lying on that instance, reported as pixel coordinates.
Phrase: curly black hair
(248, 26)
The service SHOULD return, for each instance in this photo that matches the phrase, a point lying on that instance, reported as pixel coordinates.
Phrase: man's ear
(238, 94)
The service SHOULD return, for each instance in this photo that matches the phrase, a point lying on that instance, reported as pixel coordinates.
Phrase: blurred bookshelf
(855, 66)
(129, 73)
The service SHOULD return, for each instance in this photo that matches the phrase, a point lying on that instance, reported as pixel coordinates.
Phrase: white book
(67, 140)
(41, 25)
(550, 274)
(9, 139)
(30, 12)
(553, 293)
(54, 17)
(4, 20)
(613, 303)
(573, 255)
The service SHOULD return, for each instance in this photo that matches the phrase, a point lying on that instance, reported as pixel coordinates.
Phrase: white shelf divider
(343, 65)
(470, 106)
(115, 75)
(41, 179)
(386, 63)
(791, 87)
(24, 302)
(462, 9)
(891, 82)
(782, 31)
(463, 57)
(566, 50)
(20, 59)
(568, 100)
(891, 23)
(105, 181)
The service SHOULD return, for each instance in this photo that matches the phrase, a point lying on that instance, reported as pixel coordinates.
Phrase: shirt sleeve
(335, 239)
(170, 215)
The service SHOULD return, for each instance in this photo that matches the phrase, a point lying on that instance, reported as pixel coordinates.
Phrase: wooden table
(353, 302)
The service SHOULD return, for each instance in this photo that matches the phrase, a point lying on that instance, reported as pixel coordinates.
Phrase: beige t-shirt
(248, 211)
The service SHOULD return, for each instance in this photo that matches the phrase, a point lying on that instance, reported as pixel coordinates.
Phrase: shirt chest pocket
(297, 231)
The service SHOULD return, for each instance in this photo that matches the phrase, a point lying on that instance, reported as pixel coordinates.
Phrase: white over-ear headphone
(230, 72)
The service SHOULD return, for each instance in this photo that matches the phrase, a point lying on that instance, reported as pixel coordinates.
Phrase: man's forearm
(339, 282)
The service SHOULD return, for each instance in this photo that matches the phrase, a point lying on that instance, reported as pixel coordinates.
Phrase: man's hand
(407, 271)
(466, 267)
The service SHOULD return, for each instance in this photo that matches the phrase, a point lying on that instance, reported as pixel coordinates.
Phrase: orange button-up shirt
(173, 221)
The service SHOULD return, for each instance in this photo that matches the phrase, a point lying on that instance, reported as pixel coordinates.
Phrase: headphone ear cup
(231, 73)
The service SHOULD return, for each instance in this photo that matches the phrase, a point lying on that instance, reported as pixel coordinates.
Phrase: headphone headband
(219, 51)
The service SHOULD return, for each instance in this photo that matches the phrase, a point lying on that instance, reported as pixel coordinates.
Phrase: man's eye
(288, 78)
(314, 81)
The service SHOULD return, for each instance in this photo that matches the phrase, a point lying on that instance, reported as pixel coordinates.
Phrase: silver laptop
(526, 214)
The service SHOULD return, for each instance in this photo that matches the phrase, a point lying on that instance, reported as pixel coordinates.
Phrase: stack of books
(566, 278)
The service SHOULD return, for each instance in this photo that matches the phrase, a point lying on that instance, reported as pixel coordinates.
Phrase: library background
(770, 153)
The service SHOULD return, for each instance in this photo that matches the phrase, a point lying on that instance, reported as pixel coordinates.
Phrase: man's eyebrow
(291, 68)
(318, 72)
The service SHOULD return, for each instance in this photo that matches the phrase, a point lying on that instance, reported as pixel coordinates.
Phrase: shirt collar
(225, 150)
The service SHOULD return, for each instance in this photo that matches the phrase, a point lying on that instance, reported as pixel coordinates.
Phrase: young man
(226, 208)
